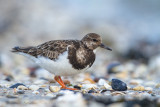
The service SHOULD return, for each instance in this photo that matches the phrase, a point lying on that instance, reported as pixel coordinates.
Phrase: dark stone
(9, 78)
(16, 85)
(92, 91)
(20, 91)
(78, 87)
(118, 85)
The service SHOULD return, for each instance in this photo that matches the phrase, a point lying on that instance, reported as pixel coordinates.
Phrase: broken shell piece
(54, 88)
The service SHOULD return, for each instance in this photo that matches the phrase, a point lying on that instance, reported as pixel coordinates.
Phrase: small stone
(118, 85)
(107, 86)
(78, 87)
(92, 91)
(22, 87)
(20, 91)
(54, 88)
(101, 82)
(35, 92)
(9, 78)
(34, 87)
(16, 85)
(139, 88)
(43, 86)
(89, 86)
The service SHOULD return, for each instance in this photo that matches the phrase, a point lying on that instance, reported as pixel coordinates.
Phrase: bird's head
(93, 41)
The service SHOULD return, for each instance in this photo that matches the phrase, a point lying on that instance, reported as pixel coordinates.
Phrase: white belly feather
(60, 67)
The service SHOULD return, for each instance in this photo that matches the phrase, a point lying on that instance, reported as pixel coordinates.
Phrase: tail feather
(28, 50)
(21, 49)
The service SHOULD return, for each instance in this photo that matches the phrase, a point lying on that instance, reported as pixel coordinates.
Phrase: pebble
(22, 87)
(118, 85)
(16, 85)
(35, 92)
(107, 86)
(20, 91)
(9, 78)
(78, 87)
(139, 88)
(34, 87)
(92, 91)
(89, 86)
(101, 82)
(54, 88)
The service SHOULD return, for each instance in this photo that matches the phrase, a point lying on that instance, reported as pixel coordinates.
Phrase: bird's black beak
(105, 47)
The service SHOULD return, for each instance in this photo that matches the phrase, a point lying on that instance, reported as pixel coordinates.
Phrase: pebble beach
(128, 76)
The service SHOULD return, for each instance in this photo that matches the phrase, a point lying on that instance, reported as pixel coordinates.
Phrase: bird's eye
(95, 40)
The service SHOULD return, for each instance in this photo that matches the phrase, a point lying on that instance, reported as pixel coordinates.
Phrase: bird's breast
(81, 58)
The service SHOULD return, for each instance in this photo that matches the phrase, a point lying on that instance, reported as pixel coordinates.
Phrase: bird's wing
(50, 49)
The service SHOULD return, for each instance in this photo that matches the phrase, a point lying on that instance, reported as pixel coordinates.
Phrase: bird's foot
(59, 80)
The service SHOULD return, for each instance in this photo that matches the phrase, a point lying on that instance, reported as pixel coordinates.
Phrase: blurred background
(130, 28)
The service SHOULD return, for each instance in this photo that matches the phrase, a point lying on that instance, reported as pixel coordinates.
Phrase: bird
(64, 57)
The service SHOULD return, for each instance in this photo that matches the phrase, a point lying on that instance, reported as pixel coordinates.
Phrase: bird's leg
(59, 80)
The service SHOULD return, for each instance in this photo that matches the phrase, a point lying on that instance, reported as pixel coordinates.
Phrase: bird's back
(51, 49)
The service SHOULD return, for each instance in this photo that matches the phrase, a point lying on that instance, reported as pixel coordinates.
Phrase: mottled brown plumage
(80, 52)
(64, 57)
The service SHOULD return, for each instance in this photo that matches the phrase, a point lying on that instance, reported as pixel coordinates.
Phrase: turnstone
(64, 57)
